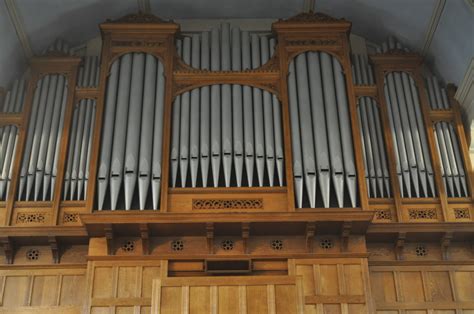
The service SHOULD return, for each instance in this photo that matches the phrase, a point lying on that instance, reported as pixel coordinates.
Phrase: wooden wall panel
(42, 290)
(226, 295)
(423, 289)
(120, 286)
(334, 285)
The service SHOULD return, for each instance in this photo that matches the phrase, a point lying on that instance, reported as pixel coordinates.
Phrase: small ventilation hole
(326, 244)
(177, 245)
(227, 245)
(33, 254)
(421, 250)
(277, 245)
(128, 246)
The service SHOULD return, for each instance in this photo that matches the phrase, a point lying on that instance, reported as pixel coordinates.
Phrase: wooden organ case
(270, 245)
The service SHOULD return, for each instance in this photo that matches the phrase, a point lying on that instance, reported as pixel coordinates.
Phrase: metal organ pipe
(410, 142)
(277, 127)
(237, 109)
(318, 102)
(77, 164)
(184, 120)
(205, 112)
(9, 136)
(228, 123)
(132, 133)
(452, 166)
(175, 128)
(194, 118)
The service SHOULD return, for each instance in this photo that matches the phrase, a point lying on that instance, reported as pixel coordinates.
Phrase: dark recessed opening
(228, 266)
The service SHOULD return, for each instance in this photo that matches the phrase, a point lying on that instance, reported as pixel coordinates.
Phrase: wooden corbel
(445, 243)
(399, 245)
(8, 249)
(245, 235)
(145, 236)
(310, 232)
(109, 236)
(210, 237)
(346, 232)
(54, 245)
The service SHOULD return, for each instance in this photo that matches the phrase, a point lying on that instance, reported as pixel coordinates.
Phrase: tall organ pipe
(295, 135)
(226, 115)
(194, 118)
(135, 102)
(215, 109)
(184, 120)
(278, 132)
(107, 133)
(333, 127)
(309, 166)
(205, 113)
(146, 132)
(248, 111)
(237, 109)
(346, 136)
(9, 137)
(268, 117)
(158, 135)
(226, 104)
(174, 154)
(258, 114)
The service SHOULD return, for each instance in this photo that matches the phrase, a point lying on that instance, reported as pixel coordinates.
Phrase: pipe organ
(182, 167)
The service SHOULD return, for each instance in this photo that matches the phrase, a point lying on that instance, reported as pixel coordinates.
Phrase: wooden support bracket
(8, 249)
(445, 243)
(245, 235)
(55, 252)
(210, 237)
(109, 236)
(145, 236)
(310, 232)
(399, 245)
(346, 232)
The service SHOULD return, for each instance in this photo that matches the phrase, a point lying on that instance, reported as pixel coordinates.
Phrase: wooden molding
(400, 245)
(145, 237)
(55, 251)
(210, 237)
(310, 232)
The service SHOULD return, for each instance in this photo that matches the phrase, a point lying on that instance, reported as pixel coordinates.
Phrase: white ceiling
(76, 21)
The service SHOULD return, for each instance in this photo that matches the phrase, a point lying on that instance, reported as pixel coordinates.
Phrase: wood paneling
(42, 290)
(334, 285)
(429, 289)
(252, 294)
(123, 285)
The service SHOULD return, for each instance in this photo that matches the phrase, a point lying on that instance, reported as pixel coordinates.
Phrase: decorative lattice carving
(32, 254)
(312, 42)
(128, 246)
(421, 250)
(27, 218)
(71, 217)
(383, 214)
(177, 245)
(326, 244)
(461, 213)
(227, 245)
(422, 213)
(256, 203)
(138, 43)
(277, 245)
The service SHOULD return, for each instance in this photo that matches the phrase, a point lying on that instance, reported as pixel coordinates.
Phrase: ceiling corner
(19, 27)
(434, 21)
